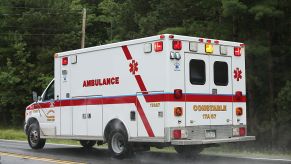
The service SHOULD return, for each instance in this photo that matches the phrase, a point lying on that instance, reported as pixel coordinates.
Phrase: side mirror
(34, 96)
(39, 98)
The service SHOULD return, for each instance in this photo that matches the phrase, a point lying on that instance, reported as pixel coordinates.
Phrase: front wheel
(118, 144)
(33, 137)
(87, 144)
(188, 151)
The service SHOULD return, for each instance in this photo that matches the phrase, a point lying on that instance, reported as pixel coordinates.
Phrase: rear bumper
(212, 141)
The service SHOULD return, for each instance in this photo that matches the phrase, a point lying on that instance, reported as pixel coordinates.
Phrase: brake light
(178, 111)
(177, 134)
(242, 131)
(177, 44)
(238, 111)
(158, 46)
(178, 93)
(208, 48)
(65, 61)
(238, 95)
(237, 51)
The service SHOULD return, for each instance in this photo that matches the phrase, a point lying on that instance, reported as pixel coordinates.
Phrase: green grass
(18, 134)
(12, 134)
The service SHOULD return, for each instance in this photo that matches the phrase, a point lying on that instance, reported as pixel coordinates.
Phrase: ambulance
(159, 91)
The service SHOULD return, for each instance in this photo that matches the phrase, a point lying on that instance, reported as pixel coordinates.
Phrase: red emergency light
(177, 44)
(237, 51)
(158, 46)
(178, 93)
(65, 61)
(238, 95)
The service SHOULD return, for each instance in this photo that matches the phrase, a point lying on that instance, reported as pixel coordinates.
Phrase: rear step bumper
(212, 141)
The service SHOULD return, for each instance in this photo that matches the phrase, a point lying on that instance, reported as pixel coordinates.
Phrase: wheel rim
(33, 137)
(117, 143)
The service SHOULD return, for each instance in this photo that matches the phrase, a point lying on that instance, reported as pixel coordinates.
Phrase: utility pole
(83, 28)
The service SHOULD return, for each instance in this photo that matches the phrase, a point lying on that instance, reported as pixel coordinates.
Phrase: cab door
(221, 90)
(197, 89)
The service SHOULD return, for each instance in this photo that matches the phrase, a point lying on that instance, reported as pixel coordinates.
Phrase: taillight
(239, 131)
(237, 51)
(238, 95)
(178, 93)
(158, 46)
(242, 131)
(65, 61)
(178, 111)
(238, 111)
(177, 44)
(177, 134)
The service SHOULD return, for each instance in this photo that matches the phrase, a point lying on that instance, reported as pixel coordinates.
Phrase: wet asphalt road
(14, 152)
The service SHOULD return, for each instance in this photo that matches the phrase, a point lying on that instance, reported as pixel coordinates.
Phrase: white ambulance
(164, 90)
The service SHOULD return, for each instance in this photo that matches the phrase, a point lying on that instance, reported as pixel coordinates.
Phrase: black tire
(118, 144)
(87, 144)
(33, 137)
(188, 151)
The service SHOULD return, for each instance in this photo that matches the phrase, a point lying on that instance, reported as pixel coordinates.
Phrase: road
(17, 152)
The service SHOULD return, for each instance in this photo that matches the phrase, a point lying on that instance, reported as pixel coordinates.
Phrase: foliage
(32, 31)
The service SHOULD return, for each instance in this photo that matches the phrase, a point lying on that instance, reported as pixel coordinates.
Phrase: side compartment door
(79, 116)
(197, 89)
(221, 90)
(65, 104)
(150, 114)
(94, 116)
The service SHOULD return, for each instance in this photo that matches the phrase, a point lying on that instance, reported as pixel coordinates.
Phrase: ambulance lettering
(100, 82)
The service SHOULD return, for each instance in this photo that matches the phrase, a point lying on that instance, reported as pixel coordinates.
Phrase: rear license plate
(210, 133)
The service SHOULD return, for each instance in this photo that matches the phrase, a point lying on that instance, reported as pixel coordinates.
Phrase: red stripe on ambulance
(143, 89)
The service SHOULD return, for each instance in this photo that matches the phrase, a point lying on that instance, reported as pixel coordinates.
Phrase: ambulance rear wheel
(87, 144)
(188, 151)
(33, 137)
(118, 144)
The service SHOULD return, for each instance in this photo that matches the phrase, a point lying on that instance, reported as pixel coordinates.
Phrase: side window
(50, 93)
(220, 73)
(197, 72)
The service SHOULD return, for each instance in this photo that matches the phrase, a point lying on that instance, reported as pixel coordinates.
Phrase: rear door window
(197, 72)
(220, 73)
